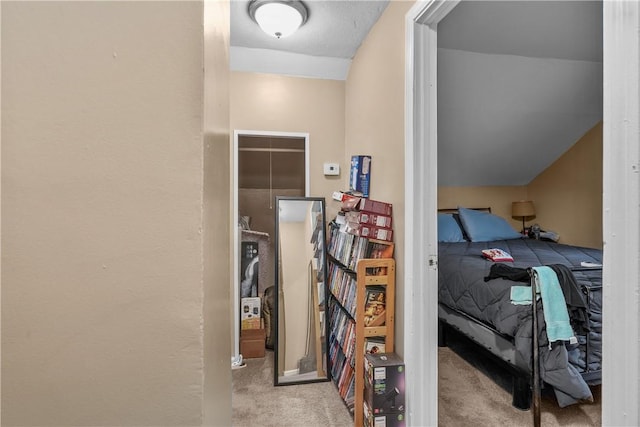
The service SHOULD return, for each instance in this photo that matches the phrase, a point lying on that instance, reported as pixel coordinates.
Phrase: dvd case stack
(360, 310)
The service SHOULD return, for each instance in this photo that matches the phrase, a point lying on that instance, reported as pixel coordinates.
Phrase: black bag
(268, 313)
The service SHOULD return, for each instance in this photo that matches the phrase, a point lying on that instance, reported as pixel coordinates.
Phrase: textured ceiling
(542, 29)
(335, 28)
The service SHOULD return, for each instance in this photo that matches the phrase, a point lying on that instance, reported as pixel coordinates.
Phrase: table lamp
(523, 209)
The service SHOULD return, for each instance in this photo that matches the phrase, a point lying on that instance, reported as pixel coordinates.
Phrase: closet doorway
(266, 164)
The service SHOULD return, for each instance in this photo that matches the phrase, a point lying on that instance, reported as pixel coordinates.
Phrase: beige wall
(266, 102)
(568, 194)
(102, 244)
(374, 109)
(218, 211)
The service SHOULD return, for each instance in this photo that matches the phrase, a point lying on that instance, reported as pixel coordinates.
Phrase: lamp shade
(278, 18)
(523, 208)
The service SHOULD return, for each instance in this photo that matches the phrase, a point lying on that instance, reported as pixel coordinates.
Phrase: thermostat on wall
(331, 169)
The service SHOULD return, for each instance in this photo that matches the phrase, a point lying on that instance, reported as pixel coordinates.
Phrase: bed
(478, 301)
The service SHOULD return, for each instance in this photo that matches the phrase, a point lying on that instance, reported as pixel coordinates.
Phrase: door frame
(236, 357)
(621, 212)
(421, 250)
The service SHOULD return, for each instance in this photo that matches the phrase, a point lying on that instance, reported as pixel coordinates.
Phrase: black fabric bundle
(505, 271)
(576, 304)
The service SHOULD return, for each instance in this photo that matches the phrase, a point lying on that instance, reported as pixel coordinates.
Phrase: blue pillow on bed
(448, 229)
(485, 226)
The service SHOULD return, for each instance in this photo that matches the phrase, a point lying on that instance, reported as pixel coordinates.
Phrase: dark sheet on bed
(462, 270)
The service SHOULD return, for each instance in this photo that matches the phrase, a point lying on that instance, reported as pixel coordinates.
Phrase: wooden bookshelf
(365, 279)
(350, 274)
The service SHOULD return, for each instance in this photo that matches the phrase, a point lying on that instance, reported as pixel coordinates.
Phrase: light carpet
(470, 393)
(257, 402)
(476, 391)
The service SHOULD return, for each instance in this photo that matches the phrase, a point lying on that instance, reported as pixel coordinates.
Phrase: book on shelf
(375, 306)
(350, 395)
(317, 235)
(381, 250)
(361, 217)
(374, 345)
(348, 249)
(320, 291)
(317, 267)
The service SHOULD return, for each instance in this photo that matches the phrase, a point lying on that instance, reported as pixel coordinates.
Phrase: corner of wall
(568, 194)
(217, 221)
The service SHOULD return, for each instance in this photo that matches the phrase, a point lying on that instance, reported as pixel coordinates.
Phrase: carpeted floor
(469, 394)
(256, 402)
(473, 390)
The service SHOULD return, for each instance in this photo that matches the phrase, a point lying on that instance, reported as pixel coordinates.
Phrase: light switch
(331, 169)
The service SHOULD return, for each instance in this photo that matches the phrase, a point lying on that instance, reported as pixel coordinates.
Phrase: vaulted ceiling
(519, 82)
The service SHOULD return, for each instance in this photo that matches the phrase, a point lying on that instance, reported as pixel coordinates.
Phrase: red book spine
(375, 206)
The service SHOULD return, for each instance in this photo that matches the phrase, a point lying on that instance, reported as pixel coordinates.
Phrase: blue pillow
(448, 229)
(485, 227)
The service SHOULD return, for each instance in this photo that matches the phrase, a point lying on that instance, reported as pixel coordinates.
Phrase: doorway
(266, 164)
(620, 206)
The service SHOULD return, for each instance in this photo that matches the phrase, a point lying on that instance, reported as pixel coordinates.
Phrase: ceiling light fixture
(278, 18)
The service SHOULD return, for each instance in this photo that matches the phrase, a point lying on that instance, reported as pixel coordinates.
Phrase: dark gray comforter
(462, 287)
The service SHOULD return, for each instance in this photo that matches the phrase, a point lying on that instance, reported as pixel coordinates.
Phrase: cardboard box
(253, 323)
(249, 310)
(370, 232)
(252, 343)
(382, 420)
(376, 206)
(360, 176)
(384, 384)
(362, 204)
(368, 218)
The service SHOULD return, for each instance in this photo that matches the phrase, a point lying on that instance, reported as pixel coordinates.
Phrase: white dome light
(278, 18)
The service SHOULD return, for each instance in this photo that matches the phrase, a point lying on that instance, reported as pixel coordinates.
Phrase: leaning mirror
(300, 354)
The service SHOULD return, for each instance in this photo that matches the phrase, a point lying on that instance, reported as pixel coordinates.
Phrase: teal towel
(554, 305)
(521, 295)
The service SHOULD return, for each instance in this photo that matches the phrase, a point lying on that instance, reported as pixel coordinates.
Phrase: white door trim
(236, 357)
(421, 250)
(621, 216)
